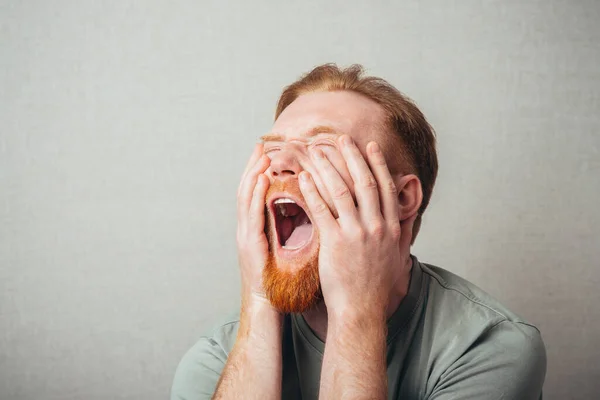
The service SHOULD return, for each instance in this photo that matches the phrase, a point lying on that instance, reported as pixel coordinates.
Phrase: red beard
(291, 285)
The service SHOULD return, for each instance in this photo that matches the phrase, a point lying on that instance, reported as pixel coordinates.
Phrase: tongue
(299, 236)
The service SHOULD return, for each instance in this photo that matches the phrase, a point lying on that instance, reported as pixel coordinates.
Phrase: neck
(316, 317)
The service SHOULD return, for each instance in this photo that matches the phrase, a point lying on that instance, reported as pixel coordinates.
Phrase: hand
(359, 257)
(251, 239)
(259, 335)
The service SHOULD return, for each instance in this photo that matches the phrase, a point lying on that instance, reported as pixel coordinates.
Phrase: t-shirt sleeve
(508, 362)
(198, 372)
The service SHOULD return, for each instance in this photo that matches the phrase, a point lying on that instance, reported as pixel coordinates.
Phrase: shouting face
(291, 275)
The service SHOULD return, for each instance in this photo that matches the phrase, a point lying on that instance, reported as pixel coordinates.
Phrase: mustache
(290, 186)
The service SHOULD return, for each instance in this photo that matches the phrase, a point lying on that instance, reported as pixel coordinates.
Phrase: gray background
(125, 127)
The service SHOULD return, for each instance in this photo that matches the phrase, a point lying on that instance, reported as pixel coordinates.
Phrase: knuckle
(245, 190)
(241, 243)
(357, 234)
(368, 182)
(361, 234)
(390, 187)
(395, 230)
(257, 189)
(376, 229)
(338, 241)
(241, 187)
(321, 208)
(340, 192)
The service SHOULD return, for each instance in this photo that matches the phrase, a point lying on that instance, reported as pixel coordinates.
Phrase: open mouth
(294, 228)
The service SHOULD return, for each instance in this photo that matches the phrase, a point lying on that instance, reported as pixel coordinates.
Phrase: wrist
(259, 318)
(360, 319)
(257, 303)
(363, 311)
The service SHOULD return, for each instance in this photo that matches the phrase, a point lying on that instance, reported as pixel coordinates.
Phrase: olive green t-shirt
(448, 339)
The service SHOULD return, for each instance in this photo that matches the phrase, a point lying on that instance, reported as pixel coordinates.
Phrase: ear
(410, 195)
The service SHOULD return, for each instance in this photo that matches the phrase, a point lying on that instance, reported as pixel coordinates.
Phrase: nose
(284, 165)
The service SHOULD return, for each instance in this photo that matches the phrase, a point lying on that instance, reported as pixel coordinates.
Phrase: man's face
(291, 276)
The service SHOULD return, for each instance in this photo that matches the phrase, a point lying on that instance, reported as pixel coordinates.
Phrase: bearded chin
(291, 292)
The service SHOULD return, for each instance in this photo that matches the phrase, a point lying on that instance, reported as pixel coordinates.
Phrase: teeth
(282, 201)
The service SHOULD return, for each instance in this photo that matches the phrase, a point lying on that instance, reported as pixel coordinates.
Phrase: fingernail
(304, 176)
(346, 140)
(374, 147)
(317, 153)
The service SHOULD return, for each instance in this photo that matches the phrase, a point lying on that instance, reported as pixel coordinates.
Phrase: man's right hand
(254, 365)
(251, 239)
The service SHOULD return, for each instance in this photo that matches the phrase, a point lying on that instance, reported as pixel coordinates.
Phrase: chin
(291, 274)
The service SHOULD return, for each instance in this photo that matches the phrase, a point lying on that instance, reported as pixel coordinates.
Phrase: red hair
(411, 148)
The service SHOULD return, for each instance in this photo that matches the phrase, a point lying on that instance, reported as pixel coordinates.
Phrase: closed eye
(328, 143)
(271, 149)
(324, 143)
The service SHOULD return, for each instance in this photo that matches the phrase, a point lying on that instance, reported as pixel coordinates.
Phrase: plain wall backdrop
(125, 126)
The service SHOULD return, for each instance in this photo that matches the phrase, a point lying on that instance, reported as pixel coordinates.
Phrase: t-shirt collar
(396, 323)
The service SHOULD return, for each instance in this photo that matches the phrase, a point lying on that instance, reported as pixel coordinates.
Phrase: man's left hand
(359, 258)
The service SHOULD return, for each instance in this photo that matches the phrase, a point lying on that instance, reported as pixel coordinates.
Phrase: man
(334, 306)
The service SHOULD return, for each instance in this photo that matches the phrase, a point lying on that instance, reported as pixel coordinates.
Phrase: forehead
(346, 112)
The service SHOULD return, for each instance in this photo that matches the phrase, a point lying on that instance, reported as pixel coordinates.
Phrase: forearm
(253, 368)
(354, 365)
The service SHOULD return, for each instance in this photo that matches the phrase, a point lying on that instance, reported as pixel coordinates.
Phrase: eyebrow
(273, 137)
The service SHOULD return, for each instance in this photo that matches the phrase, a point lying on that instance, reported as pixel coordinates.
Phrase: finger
(257, 206)
(365, 185)
(256, 153)
(247, 185)
(335, 185)
(387, 188)
(319, 211)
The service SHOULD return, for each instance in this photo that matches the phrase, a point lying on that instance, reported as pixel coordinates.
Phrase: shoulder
(225, 331)
(474, 339)
(219, 339)
(508, 361)
(200, 368)
(449, 291)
